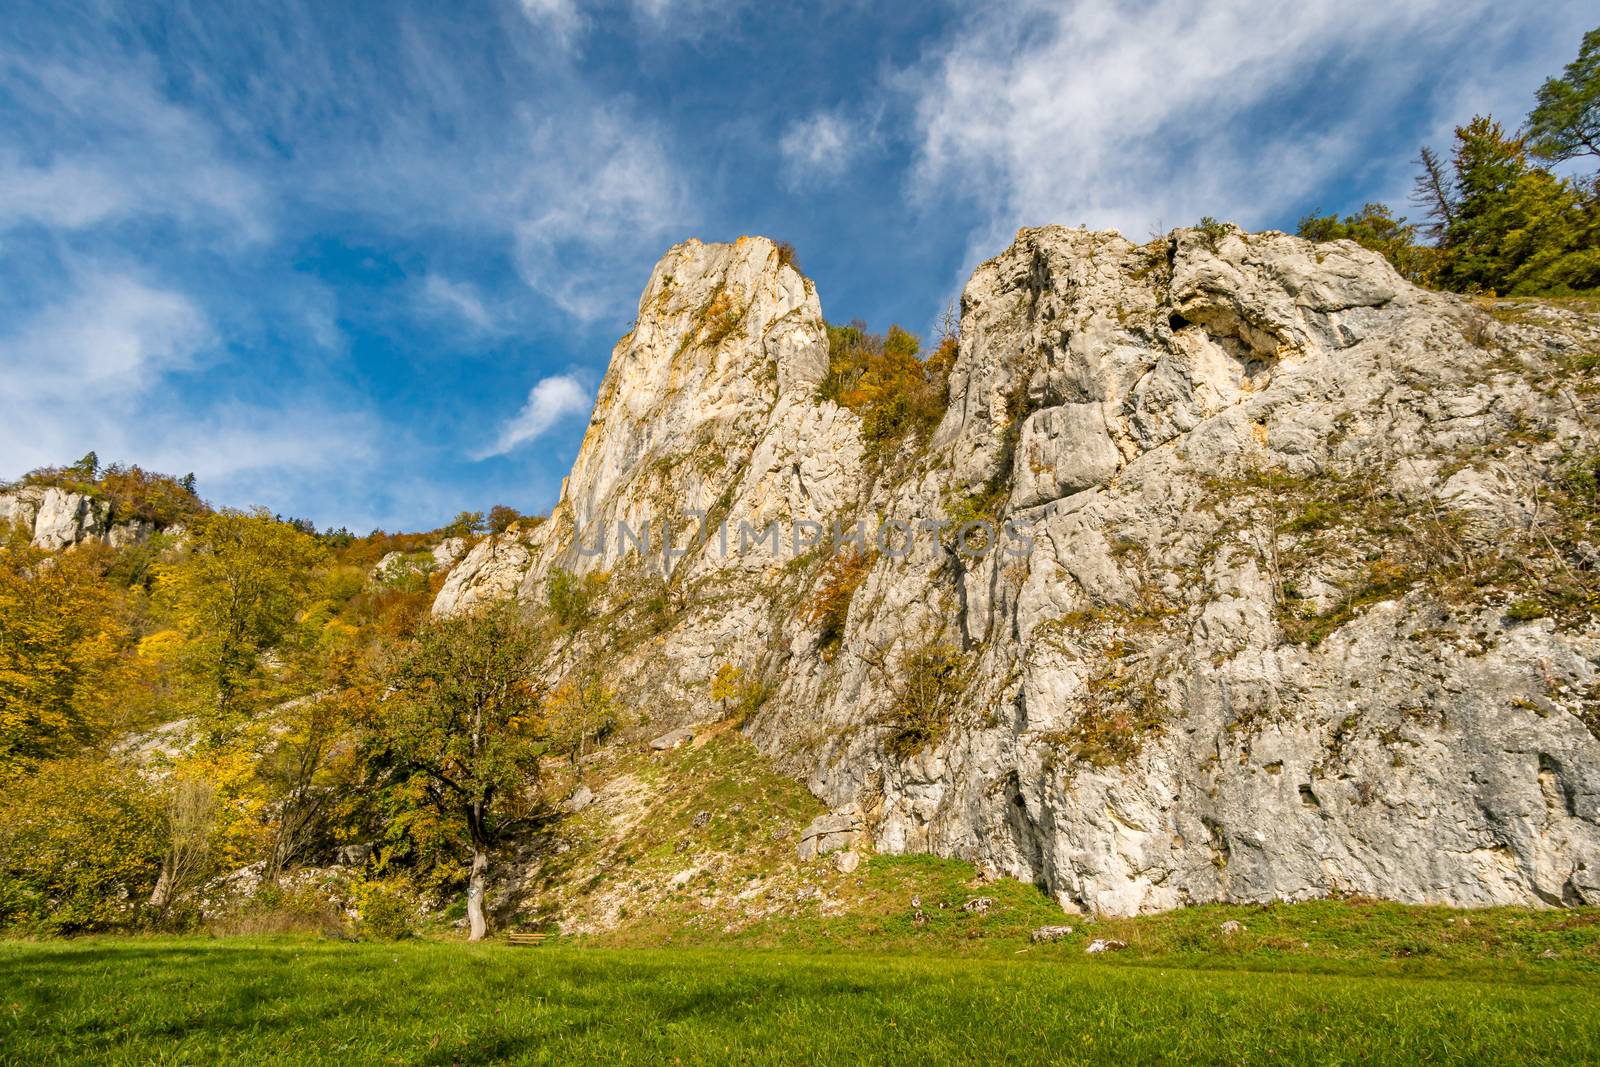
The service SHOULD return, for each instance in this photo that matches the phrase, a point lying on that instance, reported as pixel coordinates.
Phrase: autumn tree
(188, 815)
(462, 714)
(465, 524)
(579, 713)
(234, 595)
(501, 517)
(81, 843)
(1377, 228)
(829, 606)
(63, 641)
(882, 379)
(726, 685)
(308, 758)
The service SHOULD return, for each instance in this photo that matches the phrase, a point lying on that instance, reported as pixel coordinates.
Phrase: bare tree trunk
(190, 810)
(478, 883)
(475, 890)
(161, 895)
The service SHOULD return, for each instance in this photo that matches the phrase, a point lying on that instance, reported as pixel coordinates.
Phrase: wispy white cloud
(818, 146)
(132, 152)
(459, 299)
(551, 400)
(606, 198)
(566, 20)
(97, 369)
(113, 335)
(1122, 115)
(561, 18)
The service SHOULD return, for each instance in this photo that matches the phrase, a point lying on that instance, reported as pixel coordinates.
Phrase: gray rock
(55, 519)
(672, 739)
(1063, 450)
(1047, 934)
(580, 799)
(446, 552)
(832, 832)
(978, 905)
(1106, 944)
(848, 861)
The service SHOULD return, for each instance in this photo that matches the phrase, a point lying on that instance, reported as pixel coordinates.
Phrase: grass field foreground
(194, 1000)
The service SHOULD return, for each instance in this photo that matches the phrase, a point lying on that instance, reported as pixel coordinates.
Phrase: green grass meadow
(303, 1000)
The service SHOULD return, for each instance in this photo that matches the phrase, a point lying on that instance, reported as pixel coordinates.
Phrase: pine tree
(1566, 122)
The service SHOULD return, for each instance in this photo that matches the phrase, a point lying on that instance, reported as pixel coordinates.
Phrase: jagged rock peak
(723, 331)
(708, 401)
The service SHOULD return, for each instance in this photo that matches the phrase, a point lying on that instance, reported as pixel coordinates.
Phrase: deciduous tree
(234, 595)
(63, 645)
(463, 713)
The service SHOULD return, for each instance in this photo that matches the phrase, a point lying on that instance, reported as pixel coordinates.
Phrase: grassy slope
(644, 867)
(240, 1001)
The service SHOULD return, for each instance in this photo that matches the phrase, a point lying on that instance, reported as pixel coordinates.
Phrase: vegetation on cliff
(1498, 217)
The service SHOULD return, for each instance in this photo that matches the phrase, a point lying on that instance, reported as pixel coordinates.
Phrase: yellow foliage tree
(63, 648)
(725, 685)
(235, 594)
(579, 713)
(81, 844)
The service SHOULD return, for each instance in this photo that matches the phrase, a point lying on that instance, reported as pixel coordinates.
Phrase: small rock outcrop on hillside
(1290, 591)
(59, 518)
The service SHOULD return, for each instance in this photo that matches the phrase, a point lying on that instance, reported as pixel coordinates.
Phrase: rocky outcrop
(1279, 596)
(833, 832)
(56, 518)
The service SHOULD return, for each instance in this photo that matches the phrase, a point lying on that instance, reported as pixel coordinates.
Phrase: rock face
(1280, 603)
(59, 519)
(830, 833)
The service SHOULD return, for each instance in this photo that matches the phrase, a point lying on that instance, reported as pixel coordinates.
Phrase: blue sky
(365, 262)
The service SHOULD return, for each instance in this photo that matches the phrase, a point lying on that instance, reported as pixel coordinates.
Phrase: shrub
(1377, 228)
(932, 679)
(829, 606)
(723, 317)
(1525, 610)
(1112, 727)
(571, 596)
(465, 524)
(580, 713)
(386, 908)
(283, 909)
(749, 697)
(131, 492)
(81, 843)
(501, 517)
(881, 379)
(1212, 231)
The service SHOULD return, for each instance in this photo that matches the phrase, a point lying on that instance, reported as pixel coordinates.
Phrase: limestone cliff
(1292, 590)
(58, 518)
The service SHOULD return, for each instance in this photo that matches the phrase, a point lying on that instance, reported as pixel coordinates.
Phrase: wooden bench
(519, 937)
